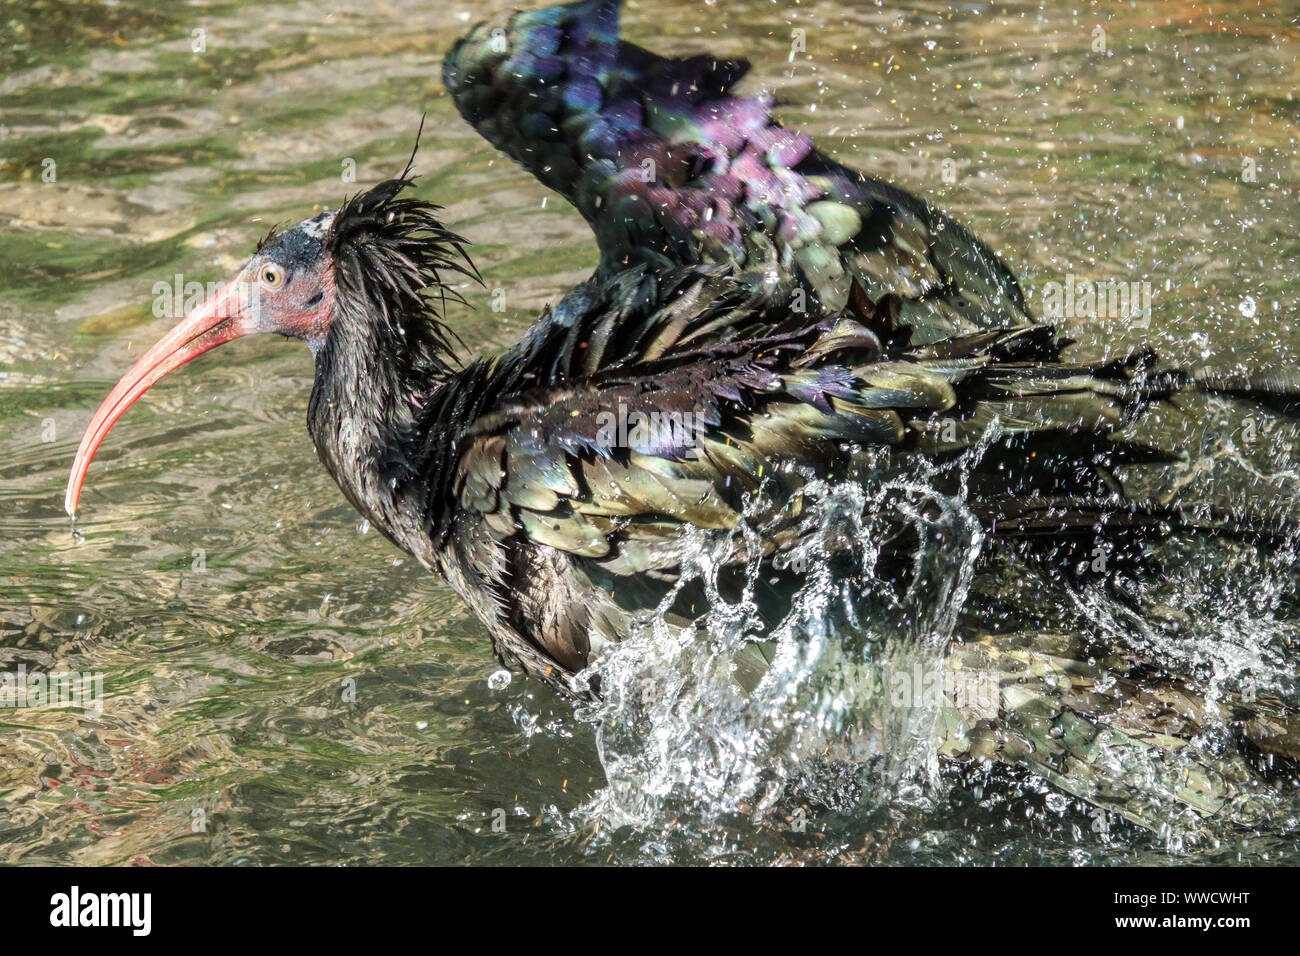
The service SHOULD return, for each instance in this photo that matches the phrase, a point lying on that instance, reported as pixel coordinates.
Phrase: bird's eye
(272, 276)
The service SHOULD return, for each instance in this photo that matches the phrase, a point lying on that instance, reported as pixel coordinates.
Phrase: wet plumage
(761, 317)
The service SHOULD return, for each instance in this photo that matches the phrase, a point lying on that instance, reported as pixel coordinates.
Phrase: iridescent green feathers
(763, 316)
(670, 166)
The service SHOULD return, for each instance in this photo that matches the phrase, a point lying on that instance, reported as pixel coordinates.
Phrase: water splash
(1225, 620)
(842, 701)
(831, 696)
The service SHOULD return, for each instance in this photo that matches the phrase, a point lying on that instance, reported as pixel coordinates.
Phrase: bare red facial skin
(303, 310)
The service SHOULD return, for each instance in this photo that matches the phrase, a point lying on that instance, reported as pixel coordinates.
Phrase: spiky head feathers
(392, 260)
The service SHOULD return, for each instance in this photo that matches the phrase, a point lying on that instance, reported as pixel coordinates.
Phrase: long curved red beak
(220, 319)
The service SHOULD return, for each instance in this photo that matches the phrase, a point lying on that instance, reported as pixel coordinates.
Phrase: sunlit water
(280, 686)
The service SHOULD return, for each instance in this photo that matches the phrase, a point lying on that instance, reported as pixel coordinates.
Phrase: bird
(762, 320)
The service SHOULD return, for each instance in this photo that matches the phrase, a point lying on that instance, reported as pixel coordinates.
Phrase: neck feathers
(387, 353)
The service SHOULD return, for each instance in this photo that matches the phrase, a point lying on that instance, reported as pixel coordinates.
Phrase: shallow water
(280, 685)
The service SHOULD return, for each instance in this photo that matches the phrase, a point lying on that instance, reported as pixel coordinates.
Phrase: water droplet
(499, 679)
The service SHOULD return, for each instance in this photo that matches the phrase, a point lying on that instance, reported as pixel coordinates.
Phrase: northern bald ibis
(780, 317)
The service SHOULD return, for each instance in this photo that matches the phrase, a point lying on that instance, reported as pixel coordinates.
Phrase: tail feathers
(1277, 389)
(1061, 518)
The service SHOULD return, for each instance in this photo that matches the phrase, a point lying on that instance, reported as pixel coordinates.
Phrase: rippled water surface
(282, 687)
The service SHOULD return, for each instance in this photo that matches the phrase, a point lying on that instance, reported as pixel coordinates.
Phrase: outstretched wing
(669, 166)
